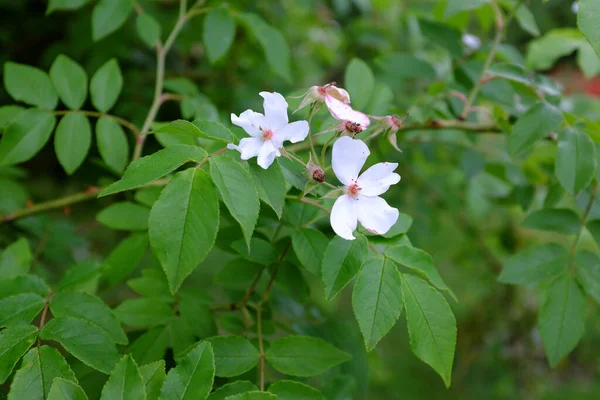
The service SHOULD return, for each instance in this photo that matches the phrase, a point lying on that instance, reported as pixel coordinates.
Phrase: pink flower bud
(318, 94)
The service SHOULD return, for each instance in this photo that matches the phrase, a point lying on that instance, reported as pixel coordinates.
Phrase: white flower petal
(378, 179)
(249, 147)
(275, 110)
(344, 112)
(375, 214)
(250, 121)
(347, 158)
(266, 154)
(344, 217)
(339, 94)
(294, 132)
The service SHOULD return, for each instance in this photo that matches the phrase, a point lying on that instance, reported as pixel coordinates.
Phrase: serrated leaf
(536, 264)
(271, 186)
(562, 318)
(377, 299)
(538, 122)
(218, 34)
(14, 342)
(79, 276)
(232, 388)
(108, 16)
(86, 341)
(65, 5)
(183, 224)
(148, 29)
(63, 389)
(419, 261)
(255, 395)
(241, 199)
(112, 144)
(107, 82)
(588, 270)
(575, 160)
(360, 82)
(70, 81)
(234, 355)
(125, 382)
(123, 259)
(290, 390)
(23, 284)
(26, 136)
(20, 309)
(30, 85)
(143, 312)
(39, 368)
(89, 308)
(125, 215)
(304, 356)
(561, 220)
(341, 262)
(72, 141)
(15, 259)
(588, 15)
(431, 325)
(147, 169)
(309, 246)
(153, 375)
(193, 377)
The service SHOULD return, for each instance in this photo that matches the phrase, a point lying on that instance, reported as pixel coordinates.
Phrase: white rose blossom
(268, 131)
(351, 121)
(361, 201)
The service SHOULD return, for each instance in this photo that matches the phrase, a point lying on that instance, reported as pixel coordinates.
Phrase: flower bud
(318, 93)
(315, 172)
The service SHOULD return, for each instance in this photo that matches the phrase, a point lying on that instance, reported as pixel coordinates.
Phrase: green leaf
(304, 356)
(232, 388)
(403, 66)
(8, 114)
(377, 299)
(443, 36)
(125, 216)
(543, 52)
(234, 355)
(195, 311)
(153, 375)
(588, 16)
(30, 85)
(151, 346)
(261, 251)
(453, 7)
(182, 235)
(271, 186)
(309, 246)
(236, 274)
(144, 312)
(193, 377)
(125, 257)
(63, 389)
(575, 160)
(108, 16)
(72, 141)
(538, 122)
(201, 129)
(107, 82)
(148, 29)
(23, 284)
(148, 196)
(26, 136)
(536, 264)
(147, 169)
(39, 369)
(431, 325)
(588, 271)
(20, 309)
(65, 5)
(562, 319)
(517, 73)
(272, 41)
(341, 262)
(152, 283)
(294, 173)
(561, 220)
(89, 308)
(125, 382)
(15, 259)
(70, 81)
(241, 199)
(360, 81)
(290, 390)
(86, 341)
(112, 144)
(14, 342)
(79, 276)
(218, 34)
(232, 324)
(419, 261)
(255, 395)
(526, 20)
(401, 226)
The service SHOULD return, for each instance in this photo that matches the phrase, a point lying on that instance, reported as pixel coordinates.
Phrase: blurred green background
(466, 196)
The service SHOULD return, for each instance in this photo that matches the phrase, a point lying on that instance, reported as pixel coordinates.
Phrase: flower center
(353, 190)
(267, 135)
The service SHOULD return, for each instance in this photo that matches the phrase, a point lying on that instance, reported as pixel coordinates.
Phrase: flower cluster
(359, 198)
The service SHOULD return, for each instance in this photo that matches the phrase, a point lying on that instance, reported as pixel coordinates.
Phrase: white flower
(318, 93)
(268, 131)
(471, 41)
(361, 201)
(352, 121)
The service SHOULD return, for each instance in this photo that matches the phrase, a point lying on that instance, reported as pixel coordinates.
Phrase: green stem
(584, 218)
(98, 114)
(325, 146)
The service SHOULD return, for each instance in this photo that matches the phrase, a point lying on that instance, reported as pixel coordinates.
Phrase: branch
(97, 114)
(474, 127)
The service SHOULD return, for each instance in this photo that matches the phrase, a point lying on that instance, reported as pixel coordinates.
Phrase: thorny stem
(97, 114)
(583, 222)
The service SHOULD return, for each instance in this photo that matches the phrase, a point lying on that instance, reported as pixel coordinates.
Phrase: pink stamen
(267, 135)
(353, 190)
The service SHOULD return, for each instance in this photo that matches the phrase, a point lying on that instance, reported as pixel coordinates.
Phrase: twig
(97, 114)
(216, 153)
